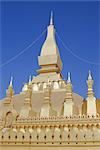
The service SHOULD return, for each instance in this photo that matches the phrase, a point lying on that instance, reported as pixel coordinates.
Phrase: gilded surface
(47, 114)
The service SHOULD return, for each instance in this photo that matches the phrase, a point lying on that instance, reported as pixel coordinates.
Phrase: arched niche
(8, 119)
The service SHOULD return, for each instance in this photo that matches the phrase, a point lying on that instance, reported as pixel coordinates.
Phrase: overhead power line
(36, 40)
(22, 51)
(73, 54)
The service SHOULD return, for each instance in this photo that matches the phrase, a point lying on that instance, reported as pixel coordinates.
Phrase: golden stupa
(47, 114)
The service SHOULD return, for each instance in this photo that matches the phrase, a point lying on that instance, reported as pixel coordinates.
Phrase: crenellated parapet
(49, 131)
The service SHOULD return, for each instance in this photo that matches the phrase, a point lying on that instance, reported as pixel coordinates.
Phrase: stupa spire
(30, 80)
(89, 76)
(11, 82)
(51, 18)
(90, 84)
(49, 59)
(9, 93)
(69, 78)
(68, 102)
(91, 100)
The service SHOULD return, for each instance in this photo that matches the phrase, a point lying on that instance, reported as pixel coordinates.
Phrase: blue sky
(77, 23)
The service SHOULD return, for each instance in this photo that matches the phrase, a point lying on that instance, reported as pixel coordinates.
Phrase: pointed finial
(30, 80)
(51, 18)
(89, 76)
(69, 80)
(11, 82)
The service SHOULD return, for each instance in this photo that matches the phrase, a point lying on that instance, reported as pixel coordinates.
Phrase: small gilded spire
(90, 85)
(69, 80)
(11, 82)
(51, 18)
(89, 76)
(9, 92)
(30, 80)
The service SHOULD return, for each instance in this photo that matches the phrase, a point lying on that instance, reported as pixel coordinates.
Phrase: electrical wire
(22, 51)
(73, 54)
(64, 45)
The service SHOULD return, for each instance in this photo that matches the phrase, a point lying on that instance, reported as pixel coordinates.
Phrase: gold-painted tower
(47, 114)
